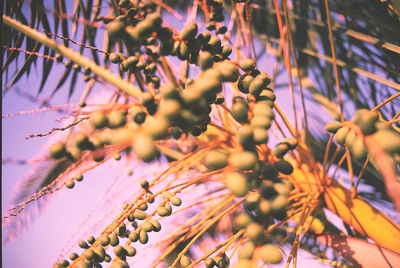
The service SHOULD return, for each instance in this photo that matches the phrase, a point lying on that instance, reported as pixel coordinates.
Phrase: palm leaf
(40, 176)
(73, 82)
(64, 78)
(26, 67)
(62, 10)
(47, 64)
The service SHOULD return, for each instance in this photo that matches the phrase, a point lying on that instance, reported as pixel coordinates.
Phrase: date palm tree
(261, 118)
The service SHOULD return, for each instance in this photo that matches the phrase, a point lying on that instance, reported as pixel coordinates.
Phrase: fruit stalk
(356, 212)
(389, 174)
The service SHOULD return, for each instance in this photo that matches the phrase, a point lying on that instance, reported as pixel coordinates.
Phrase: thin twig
(56, 128)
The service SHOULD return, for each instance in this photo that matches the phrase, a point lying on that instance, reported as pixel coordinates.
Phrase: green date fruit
(229, 71)
(243, 161)
(366, 120)
(247, 65)
(144, 147)
(258, 84)
(270, 254)
(242, 220)
(254, 231)
(244, 83)
(189, 32)
(284, 166)
(115, 29)
(116, 119)
(260, 122)
(237, 183)
(185, 261)
(240, 112)
(389, 140)
(341, 135)
(104, 240)
(157, 126)
(333, 126)
(205, 60)
(247, 251)
(130, 251)
(98, 119)
(57, 150)
(216, 159)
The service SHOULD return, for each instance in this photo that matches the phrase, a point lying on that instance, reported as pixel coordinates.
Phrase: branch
(108, 76)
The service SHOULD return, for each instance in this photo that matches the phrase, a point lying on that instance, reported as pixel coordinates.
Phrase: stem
(386, 167)
(75, 57)
(386, 101)
(203, 231)
(226, 242)
(286, 56)
(334, 60)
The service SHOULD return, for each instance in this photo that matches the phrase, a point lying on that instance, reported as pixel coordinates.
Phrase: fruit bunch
(365, 123)
(134, 227)
(225, 109)
(251, 170)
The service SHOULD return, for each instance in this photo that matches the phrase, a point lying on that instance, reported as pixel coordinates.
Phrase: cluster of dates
(178, 109)
(259, 179)
(368, 123)
(136, 227)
